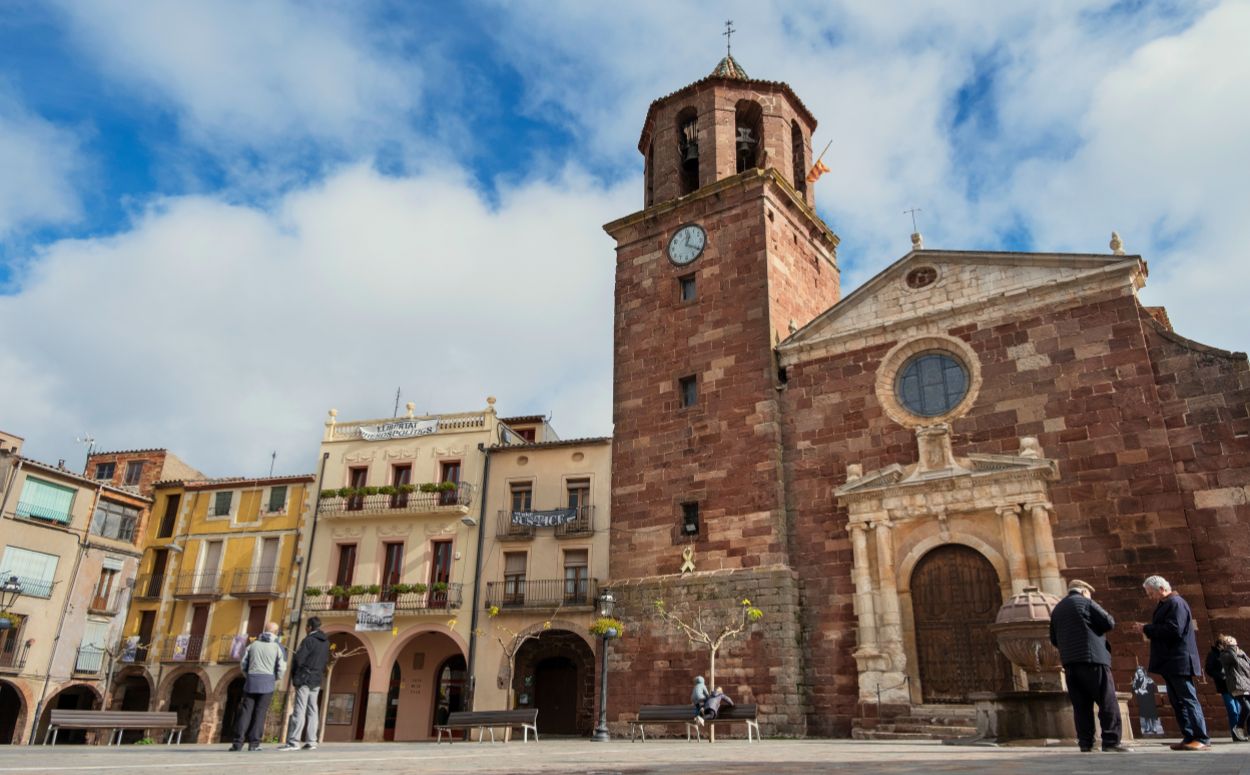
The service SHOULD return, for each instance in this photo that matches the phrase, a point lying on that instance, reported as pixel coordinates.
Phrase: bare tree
(712, 634)
(511, 641)
(335, 656)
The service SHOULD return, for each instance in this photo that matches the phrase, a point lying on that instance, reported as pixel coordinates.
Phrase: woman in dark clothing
(1216, 671)
(1237, 677)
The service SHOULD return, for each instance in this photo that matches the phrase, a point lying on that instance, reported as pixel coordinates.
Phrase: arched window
(749, 134)
(688, 149)
(798, 156)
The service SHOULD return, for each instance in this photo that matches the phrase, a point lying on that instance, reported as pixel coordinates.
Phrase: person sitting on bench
(699, 698)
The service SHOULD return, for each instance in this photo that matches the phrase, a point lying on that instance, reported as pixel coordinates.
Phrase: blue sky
(219, 220)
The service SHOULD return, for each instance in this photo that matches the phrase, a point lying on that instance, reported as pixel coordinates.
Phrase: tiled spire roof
(729, 68)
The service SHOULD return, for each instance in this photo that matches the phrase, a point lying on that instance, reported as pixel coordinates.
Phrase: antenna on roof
(917, 242)
(89, 440)
(396, 412)
(273, 458)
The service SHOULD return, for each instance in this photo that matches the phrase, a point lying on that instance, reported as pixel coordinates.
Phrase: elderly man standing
(263, 665)
(1078, 626)
(1174, 655)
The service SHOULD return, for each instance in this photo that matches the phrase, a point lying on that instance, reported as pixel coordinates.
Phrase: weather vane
(728, 33)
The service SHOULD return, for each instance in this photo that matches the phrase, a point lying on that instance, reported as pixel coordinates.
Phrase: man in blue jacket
(1079, 626)
(1174, 655)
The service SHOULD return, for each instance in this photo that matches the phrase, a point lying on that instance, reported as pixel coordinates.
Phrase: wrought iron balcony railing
(198, 585)
(406, 504)
(90, 660)
(405, 600)
(31, 587)
(516, 594)
(583, 524)
(12, 660)
(232, 648)
(186, 648)
(258, 582)
(148, 586)
(104, 606)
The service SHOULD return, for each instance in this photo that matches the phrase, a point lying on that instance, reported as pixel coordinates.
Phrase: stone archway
(229, 695)
(956, 594)
(132, 690)
(555, 672)
(187, 695)
(71, 697)
(421, 658)
(345, 694)
(12, 713)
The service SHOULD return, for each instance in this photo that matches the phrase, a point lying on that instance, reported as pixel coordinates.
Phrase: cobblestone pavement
(667, 757)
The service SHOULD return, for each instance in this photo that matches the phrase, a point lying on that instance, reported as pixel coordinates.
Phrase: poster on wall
(375, 617)
(130, 649)
(546, 518)
(340, 708)
(400, 429)
(181, 643)
(237, 647)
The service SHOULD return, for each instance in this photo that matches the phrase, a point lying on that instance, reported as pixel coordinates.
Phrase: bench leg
(55, 732)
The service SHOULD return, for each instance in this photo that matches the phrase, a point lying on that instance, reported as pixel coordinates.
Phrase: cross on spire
(728, 33)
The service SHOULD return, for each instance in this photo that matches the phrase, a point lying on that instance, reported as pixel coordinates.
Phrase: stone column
(862, 575)
(891, 633)
(1013, 547)
(1047, 560)
(375, 717)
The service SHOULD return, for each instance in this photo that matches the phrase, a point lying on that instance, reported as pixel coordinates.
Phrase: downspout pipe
(477, 577)
(303, 580)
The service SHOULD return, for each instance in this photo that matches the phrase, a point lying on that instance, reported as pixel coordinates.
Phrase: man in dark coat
(1174, 655)
(307, 668)
(1078, 626)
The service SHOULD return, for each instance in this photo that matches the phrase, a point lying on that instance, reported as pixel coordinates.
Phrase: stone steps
(922, 722)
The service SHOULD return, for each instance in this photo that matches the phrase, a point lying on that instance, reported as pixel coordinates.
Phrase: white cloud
(227, 332)
(38, 164)
(256, 74)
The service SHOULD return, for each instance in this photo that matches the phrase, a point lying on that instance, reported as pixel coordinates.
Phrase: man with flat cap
(1079, 627)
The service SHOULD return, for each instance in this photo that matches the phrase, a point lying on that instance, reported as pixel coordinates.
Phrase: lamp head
(468, 520)
(607, 604)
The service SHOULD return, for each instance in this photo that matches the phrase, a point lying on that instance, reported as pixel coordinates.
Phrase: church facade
(879, 472)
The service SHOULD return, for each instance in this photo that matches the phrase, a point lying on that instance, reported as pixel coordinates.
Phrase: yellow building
(68, 545)
(220, 561)
(540, 581)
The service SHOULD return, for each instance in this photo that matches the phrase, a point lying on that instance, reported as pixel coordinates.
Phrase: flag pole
(822, 153)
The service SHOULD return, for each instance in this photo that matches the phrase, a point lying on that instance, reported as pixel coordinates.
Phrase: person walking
(1174, 655)
(1079, 627)
(1215, 671)
(307, 667)
(263, 665)
(1236, 667)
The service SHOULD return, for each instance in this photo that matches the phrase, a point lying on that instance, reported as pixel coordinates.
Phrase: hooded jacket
(1215, 670)
(1236, 671)
(700, 693)
(263, 665)
(309, 663)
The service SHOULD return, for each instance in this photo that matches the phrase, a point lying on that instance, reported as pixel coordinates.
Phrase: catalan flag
(817, 170)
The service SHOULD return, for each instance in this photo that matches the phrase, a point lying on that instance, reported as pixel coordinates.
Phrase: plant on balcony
(448, 486)
(346, 492)
(313, 592)
(439, 586)
(429, 487)
(368, 490)
(601, 626)
(373, 589)
(407, 489)
(329, 494)
(337, 591)
(357, 589)
(400, 589)
(710, 631)
(388, 489)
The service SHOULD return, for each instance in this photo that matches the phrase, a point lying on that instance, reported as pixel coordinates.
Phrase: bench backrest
(474, 717)
(106, 718)
(738, 713)
(666, 713)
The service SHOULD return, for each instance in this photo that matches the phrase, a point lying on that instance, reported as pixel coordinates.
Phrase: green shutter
(45, 500)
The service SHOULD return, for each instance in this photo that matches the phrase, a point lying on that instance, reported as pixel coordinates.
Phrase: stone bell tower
(727, 258)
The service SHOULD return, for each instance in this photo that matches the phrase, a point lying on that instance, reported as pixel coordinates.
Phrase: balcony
(258, 582)
(31, 587)
(400, 504)
(26, 510)
(541, 594)
(198, 586)
(142, 651)
(90, 660)
(148, 586)
(583, 524)
(406, 602)
(13, 660)
(189, 649)
(229, 652)
(104, 606)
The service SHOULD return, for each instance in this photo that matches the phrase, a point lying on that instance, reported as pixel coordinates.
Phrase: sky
(219, 220)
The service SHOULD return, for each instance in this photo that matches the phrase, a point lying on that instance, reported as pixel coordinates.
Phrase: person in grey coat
(698, 697)
(1236, 667)
(1079, 627)
(263, 664)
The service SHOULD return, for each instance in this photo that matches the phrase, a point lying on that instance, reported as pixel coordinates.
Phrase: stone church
(879, 471)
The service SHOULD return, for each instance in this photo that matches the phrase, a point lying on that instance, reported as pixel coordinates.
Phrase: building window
(105, 471)
(103, 597)
(170, 516)
(514, 578)
(688, 149)
(686, 287)
(114, 520)
(357, 477)
(401, 477)
(690, 519)
(277, 499)
(522, 496)
(688, 391)
(221, 504)
(931, 384)
(798, 156)
(134, 471)
(12, 650)
(45, 500)
(576, 582)
(35, 570)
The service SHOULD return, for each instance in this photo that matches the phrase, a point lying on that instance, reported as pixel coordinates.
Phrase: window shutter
(45, 500)
(514, 563)
(36, 570)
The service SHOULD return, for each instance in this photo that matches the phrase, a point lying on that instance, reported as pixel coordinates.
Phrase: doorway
(199, 625)
(186, 698)
(450, 695)
(230, 710)
(555, 695)
(955, 596)
(10, 713)
(392, 702)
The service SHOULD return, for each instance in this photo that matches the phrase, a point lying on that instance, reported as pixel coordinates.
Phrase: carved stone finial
(412, 407)
(1117, 244)
(490, 400)
(334, 413)
(1030, 447)
(854, 472)
(793, 327)
(917, 241)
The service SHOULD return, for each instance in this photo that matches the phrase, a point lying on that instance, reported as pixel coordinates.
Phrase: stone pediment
(934, 287)
(974, 466)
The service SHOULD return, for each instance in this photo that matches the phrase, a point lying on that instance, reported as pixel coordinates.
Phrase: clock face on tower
(687, 244)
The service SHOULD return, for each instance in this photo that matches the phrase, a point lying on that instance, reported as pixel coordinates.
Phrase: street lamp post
(607, 604)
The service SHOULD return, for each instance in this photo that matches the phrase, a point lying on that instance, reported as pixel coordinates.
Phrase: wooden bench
(482, 720)
(684, 714)
(116, 721)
